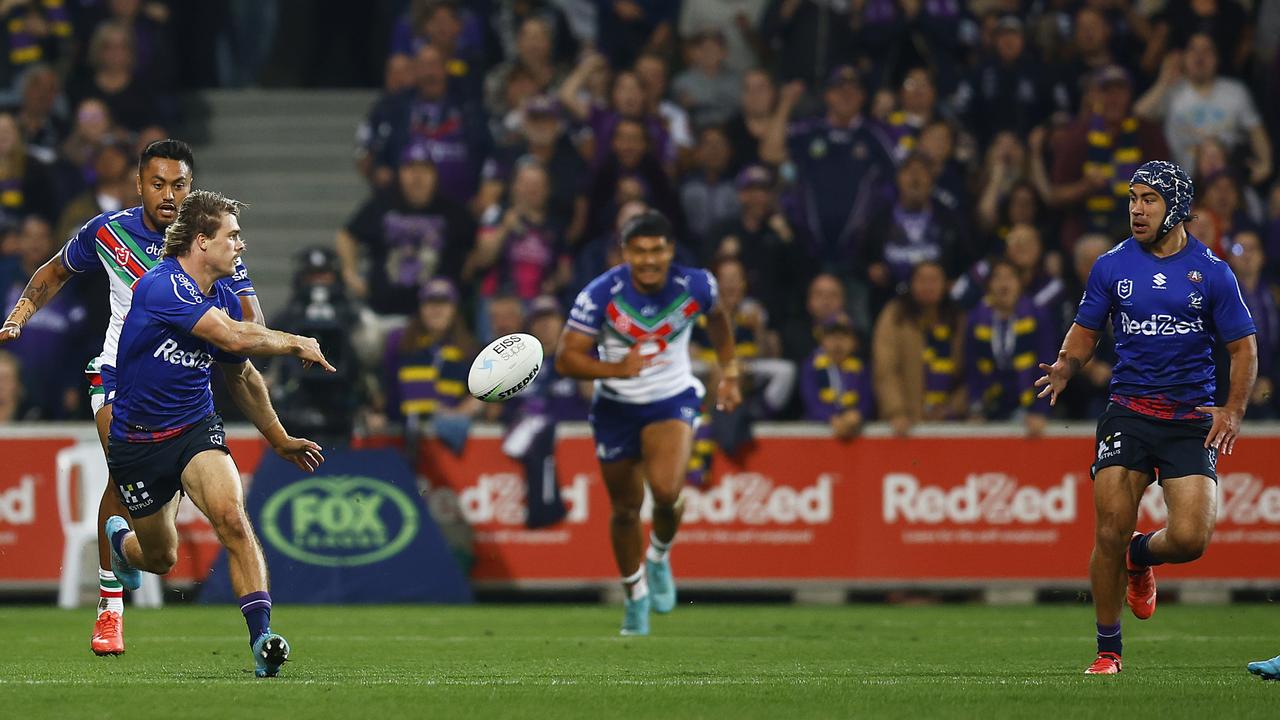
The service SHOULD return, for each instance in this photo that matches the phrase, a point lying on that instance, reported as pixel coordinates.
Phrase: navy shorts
(617, 425)
(148, 474)
(1160, 448)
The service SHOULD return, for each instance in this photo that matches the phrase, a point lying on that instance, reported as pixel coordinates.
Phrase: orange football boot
(1106, 664)
(108, 634)
(1141, 593)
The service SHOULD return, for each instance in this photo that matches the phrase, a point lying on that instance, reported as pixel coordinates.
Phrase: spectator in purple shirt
(834, 383)
(627, 101)
(52, 347)
(913, 230)
(454, 135)
(404, 238)
(1006, 336)
(1247, 260)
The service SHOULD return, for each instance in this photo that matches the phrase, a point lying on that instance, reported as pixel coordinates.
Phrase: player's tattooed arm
(47, 280)
(1077, 349)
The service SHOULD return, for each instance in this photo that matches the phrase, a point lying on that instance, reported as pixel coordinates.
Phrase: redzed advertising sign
(793, 508)
(878, 509)
(31, 540)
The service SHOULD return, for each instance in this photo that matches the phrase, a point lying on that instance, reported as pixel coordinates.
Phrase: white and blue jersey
(613, 311)
(121, 244)
(1166, 313)
(164, 370)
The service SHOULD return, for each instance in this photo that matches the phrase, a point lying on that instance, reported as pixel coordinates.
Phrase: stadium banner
(353, 531)
(953, 504)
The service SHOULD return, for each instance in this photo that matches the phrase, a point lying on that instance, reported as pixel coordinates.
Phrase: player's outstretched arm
(44, 284)
(1226, 419)
(242, 338)
(573, 359)
(720, 330)
(1077, 349)
(249, 392)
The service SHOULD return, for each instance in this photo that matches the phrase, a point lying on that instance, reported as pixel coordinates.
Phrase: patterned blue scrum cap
(1173, 184)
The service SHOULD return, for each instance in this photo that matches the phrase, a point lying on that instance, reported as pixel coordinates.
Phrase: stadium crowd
(901, 199)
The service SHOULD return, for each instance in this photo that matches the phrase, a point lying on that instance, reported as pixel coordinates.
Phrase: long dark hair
(416, 335)
(913, 311)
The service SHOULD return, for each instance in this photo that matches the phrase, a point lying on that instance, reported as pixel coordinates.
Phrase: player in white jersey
(125, 245)
(638, 317)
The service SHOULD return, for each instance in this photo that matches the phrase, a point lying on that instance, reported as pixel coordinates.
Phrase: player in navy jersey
(166, 438)
(124, 244)
(638, 317)
(1168, 297)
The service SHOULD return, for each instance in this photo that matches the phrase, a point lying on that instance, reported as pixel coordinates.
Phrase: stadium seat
(80, 523)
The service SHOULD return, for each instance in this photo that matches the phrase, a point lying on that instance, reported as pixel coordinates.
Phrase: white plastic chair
(83, 529)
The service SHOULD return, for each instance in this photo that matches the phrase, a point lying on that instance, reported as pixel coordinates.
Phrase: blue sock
(256, 607)
(1140, 554)
(117, 541)
(1109, 638)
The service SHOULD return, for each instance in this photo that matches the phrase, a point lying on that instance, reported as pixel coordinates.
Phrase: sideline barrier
(958, 504)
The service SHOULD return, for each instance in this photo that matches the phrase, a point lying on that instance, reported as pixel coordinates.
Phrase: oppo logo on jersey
(169, 352)
(1159, 325)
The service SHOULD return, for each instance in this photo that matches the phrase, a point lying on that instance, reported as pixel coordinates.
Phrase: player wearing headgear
(1168, 297)
(167, 438)
(124, 244)
(638, 316)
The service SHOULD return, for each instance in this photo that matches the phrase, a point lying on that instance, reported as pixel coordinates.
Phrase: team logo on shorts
(1194, 276)
(1213, 459)
(135, 494)
(1108, 449)
(1124, 288)
(217, 439)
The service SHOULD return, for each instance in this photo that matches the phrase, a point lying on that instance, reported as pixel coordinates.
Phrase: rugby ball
(505, 367)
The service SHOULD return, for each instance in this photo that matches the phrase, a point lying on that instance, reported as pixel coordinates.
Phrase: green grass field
(712, 661)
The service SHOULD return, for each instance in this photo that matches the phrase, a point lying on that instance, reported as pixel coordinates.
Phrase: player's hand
(631, 365)
(729, 393)
(1054, 380)
(309, 352)
(10, 331)
(301, 452)
(1226, 428)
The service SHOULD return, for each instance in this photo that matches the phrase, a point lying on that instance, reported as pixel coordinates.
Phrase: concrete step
(334, 102)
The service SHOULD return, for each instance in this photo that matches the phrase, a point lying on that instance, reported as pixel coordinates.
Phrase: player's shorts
(617, 425)
(102, 384)
(1161, 448)
(149, 474)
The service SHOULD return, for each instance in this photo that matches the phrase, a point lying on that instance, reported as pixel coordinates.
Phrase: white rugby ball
(505, 367)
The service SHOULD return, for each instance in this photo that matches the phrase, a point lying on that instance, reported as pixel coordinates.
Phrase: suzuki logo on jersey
(1161, 324)
(1124, 288)
(1158, 280)
(170, 353)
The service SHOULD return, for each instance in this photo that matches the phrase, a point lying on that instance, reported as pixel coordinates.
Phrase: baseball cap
(1009, 23)
(842, 75)
(542, 106)
(754, 176)
(438, 290)
(1111, 74)
(543, 305)
(416, 153)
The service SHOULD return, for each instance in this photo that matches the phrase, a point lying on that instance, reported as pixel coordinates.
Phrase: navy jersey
(121, 244)
(163, 370)
(1166, 313)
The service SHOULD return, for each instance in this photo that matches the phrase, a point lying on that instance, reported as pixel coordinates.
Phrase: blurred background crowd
(901, 199)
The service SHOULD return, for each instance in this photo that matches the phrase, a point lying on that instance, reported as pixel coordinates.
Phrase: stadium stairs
(289, 154)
